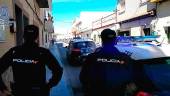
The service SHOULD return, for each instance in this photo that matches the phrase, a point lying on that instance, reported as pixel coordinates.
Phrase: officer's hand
(131, 88)
(5, 93)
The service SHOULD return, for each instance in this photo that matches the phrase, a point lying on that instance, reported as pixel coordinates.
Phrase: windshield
(84, 44)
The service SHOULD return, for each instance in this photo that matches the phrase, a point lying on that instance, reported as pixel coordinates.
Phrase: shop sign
(4, 20)
(4, 13)
(2, 30)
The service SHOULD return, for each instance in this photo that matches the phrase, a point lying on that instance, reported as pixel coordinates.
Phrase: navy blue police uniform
(106, 72)
(28, 62)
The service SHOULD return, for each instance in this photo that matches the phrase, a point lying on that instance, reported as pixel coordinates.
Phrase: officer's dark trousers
(116, 91)
(29, 92)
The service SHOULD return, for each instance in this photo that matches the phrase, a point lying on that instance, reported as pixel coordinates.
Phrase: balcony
(43, 3)
(49, 26)
(157, 1)
(105, 21)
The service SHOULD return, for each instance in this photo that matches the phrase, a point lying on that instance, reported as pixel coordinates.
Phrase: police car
(152, 59)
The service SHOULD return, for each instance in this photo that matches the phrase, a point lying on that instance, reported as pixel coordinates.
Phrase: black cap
(31, 32)
(108, 35)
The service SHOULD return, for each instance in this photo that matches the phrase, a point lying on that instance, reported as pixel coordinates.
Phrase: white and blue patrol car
(142, 47)
(155, 59)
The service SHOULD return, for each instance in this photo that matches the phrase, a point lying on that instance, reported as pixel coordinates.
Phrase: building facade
(108, 21)
(137, 18)
(14, 15)
(134, 17)
(144, 17)
(85, 24)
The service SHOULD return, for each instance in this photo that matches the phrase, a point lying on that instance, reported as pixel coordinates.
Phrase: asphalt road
(69, 84)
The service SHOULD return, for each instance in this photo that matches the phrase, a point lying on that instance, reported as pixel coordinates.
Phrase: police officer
(106, 71)
(28, 63)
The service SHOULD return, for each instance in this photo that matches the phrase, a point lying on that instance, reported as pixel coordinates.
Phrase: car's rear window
(84, 44)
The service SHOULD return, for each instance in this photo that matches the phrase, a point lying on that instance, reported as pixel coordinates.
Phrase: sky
(65, 11)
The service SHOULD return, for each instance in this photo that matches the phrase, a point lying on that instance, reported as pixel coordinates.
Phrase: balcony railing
(104, 21)
(49, 26)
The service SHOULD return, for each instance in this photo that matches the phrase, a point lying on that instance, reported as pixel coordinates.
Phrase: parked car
(61, 44)
(78, 50)
(152, 61)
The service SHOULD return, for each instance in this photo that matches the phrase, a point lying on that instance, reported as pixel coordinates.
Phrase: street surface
(69, 84)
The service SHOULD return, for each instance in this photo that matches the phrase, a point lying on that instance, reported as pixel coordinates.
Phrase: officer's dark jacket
(105, 69)
(28, 63)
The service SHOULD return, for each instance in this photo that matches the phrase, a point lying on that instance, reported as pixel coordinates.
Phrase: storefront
(138, 26)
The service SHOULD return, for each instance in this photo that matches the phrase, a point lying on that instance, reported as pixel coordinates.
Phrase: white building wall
(136, 31)
(162, 20)
(134, 9)
(130, 9)
(88, 17)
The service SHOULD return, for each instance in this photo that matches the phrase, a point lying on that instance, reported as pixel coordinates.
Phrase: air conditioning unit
(155, 1)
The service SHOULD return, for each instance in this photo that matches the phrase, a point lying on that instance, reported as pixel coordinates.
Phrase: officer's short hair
(31, 32)
(108, 35)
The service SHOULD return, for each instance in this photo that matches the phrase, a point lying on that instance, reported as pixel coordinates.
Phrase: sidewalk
(62, 89)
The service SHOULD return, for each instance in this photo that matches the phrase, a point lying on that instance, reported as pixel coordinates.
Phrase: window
(94, 37)
(124, 33)
(84, 44)
(167, 31)
(147, 31)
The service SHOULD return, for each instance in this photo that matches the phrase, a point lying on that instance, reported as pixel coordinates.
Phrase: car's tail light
(141, 93)
(76, 50)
